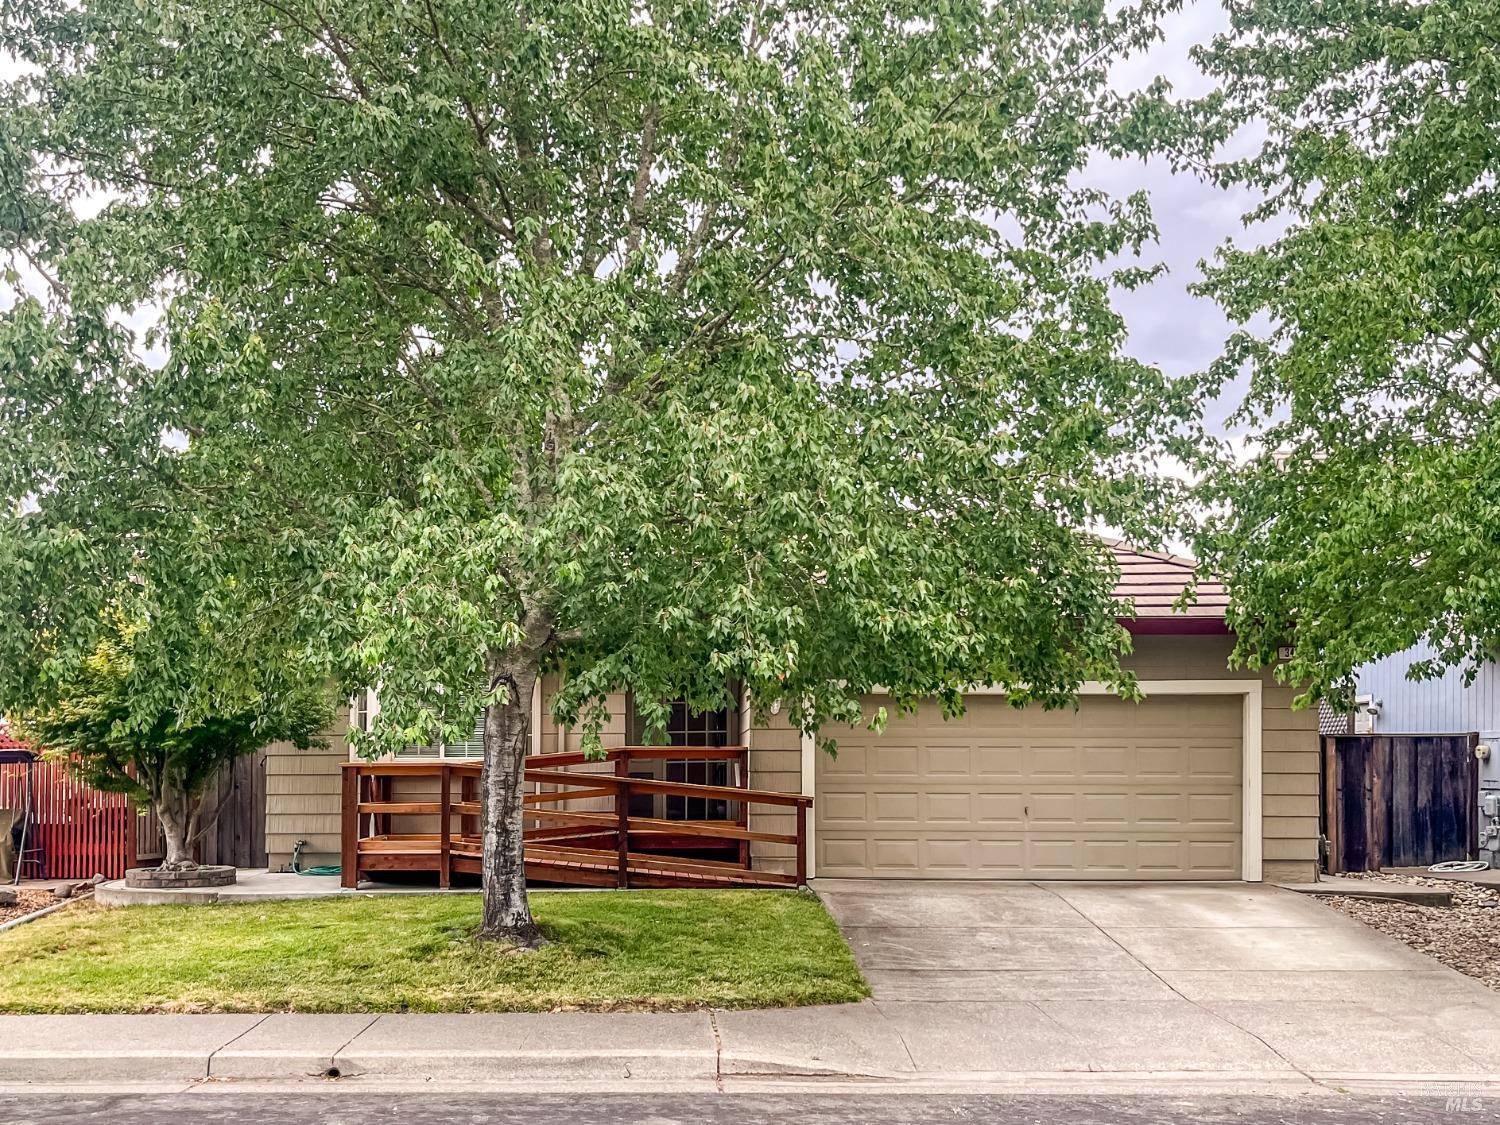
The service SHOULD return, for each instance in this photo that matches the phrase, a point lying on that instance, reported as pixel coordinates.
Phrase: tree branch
(647, 157)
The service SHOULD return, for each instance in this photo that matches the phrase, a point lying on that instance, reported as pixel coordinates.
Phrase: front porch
(588, 822)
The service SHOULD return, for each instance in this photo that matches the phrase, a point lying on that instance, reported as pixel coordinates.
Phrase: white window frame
(414, 754)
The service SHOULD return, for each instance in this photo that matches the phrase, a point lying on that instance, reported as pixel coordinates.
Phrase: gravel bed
(1464, 936)
(26, 902)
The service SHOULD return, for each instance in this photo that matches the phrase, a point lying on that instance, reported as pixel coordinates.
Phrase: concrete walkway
(1145, 988)
(256, 884)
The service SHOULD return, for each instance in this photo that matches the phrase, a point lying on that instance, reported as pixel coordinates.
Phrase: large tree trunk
(172, 809)
(507, 738)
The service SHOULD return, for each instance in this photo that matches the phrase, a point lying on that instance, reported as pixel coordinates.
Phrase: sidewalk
(904, 1046)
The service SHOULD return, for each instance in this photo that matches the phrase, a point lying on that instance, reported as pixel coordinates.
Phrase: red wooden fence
(83, 831)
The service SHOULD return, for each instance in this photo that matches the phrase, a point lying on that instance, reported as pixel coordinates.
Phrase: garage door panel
(941, 809)
(838, 853)
(896, 808)
(1104, 810)
(894, 761)
(948, 761)
(999, 810)
(843, 807)
(999, 760)
(1053, 761)
(848, 762)
(1113, 790)
(1161, 857)
(1208, 809)
(897, 855)
(1210, 856)
(1107, 763)
(1215, 762)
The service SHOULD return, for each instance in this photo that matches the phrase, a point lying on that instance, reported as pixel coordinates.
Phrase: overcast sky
(1169, 326)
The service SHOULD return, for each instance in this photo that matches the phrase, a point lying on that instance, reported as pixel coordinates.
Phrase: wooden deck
(601, 845)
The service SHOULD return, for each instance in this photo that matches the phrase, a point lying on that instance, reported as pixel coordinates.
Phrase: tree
(1367, 522)
(671, 346)
(161, 762)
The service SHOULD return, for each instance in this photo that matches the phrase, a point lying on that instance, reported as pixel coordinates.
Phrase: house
(1456, 703)
(1213, 776)
(1390, 702)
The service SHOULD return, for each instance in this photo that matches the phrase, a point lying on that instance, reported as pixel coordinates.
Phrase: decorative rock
(7, 896)
(156, 879)
(65, 890)
(1464, 936)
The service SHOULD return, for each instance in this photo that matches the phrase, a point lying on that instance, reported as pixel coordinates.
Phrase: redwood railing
(596, 846)
(81, 831)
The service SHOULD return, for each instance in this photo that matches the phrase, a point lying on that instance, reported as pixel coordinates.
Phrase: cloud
(1169, 326)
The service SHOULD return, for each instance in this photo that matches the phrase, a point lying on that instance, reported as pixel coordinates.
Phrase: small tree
(161, 760)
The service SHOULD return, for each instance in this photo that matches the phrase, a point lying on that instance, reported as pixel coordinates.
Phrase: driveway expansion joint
(713, 1027)
(333, 1059)
(1177, 992)
(208, 1063)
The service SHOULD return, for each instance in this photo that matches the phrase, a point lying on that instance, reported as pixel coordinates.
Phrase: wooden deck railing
(595, 846)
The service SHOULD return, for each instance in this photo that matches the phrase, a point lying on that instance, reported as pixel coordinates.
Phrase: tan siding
(1291, 827)
(1287, 763)
(302, 798)
(1299, 784)
(1287, 741)
(303, 788)
(1290, 804)
(1286, 871)
(775, 764)
(1304, 849)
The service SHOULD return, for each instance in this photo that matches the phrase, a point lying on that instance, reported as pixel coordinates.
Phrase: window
(366, 705)
(690, 728)
(471, 747)
(360, 711)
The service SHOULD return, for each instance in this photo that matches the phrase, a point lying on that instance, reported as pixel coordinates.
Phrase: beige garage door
(1114, 790)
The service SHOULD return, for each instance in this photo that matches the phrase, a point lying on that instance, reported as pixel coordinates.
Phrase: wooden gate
(1399, 800)
(238, 836)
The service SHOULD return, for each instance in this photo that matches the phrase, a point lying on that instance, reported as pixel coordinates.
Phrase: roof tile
(1154, 581)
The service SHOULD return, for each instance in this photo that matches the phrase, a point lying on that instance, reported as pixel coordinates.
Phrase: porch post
(349, 828)
(445, 826)
(622, 822)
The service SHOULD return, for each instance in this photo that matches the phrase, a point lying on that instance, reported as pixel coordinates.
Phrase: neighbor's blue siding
(1441, 706)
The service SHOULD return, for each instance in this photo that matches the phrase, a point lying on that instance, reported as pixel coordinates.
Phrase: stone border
(157, 879)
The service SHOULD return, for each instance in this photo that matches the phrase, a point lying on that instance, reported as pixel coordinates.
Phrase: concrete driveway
(1115, 977)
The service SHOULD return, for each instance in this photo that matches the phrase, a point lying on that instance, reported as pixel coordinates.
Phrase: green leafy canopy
(669, 345)
(1371, 520)
(97, 728)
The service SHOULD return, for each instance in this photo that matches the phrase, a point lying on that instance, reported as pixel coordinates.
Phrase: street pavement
(256, 1107)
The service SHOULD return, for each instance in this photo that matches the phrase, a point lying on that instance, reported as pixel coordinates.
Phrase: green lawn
(416, 953)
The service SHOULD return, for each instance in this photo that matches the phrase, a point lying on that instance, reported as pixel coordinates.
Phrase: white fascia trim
(809, 783)
(1252, 829)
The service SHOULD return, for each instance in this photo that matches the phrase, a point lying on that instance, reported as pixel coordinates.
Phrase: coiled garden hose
(298, 869)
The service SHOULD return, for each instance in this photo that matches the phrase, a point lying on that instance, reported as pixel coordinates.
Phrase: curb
(642, 1072)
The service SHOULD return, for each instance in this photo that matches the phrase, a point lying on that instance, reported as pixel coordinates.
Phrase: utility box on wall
(1488, 753)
